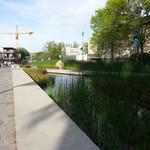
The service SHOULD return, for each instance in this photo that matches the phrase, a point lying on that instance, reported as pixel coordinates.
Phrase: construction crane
(17, 33)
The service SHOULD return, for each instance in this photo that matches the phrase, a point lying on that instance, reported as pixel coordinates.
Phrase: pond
(114, 113)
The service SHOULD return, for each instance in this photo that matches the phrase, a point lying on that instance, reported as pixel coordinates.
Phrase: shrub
(38, 75)
(146, 58)
(25, 66)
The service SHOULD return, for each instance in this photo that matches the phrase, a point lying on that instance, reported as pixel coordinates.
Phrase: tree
(105, 25)
(42, 56)
(75, 45)
(140, 12)
(24, 54)
(85, 48)
(54, 49)
(112, 24)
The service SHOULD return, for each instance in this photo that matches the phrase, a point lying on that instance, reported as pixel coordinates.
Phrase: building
(72, 51)
(75, 54)
(9, 54)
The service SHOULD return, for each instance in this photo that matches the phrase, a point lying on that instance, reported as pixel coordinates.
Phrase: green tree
(140, 14)
(112, 24)
(24, 54)
(54, 49)
(85, 48)
(106, 33)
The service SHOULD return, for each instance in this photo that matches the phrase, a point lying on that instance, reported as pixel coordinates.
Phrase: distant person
(2, 62)
(5, 63)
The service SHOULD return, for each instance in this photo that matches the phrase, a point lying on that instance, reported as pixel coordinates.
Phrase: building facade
(9, 54)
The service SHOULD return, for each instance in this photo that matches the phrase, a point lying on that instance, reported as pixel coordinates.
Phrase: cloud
(54, 20)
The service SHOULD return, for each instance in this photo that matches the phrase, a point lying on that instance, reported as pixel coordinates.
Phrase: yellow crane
(17, 33)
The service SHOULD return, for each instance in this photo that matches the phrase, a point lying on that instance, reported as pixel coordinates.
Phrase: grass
(39, 76)
(107, 111)
(95, 66)
(45, 64)
(126, 67)
(106, 106)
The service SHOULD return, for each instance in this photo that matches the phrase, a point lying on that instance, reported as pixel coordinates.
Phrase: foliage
(105, 25)
(41, 56)
(146, 58)
(25, 65)
(38, 75)
(85, 48)
(55, 49)
(96, 66)
(112, 24)
(128, 67)
(114, 114)
(24, 54)
(44, 64)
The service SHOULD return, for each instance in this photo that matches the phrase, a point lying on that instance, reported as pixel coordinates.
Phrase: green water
(114, 113)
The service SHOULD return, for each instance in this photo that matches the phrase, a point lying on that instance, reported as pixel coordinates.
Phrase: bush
(44, 64)
(146, 58)
(25, 66)
(39, 76)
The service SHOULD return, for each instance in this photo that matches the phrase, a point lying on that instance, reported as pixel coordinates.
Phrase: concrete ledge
(69, 72)
(93, 73)
(14, 66)
(40, 123)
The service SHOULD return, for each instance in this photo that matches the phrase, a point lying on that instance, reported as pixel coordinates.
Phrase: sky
(50, 20)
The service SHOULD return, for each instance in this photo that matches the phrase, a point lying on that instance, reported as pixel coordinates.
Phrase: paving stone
(7, 117)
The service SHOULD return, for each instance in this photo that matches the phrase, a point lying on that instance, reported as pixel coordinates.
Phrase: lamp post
(136, 46)
(82, 45)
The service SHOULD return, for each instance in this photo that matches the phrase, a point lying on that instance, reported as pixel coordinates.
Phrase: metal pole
(82, 44)
(17, 37)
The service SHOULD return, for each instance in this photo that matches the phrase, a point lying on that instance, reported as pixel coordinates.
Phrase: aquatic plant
(39, 76)
(115, 116)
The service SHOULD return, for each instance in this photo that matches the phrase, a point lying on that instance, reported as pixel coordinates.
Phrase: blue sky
(58, 20)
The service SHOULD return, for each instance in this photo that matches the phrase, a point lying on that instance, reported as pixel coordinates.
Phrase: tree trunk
(141, 54)
(137, 58)
(112, 52)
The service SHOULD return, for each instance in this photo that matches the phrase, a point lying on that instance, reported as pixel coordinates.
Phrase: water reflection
(115, 115)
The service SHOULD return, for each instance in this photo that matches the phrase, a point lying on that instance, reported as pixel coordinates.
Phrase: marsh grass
(127, 67)
(39, 76)
(112, 109)
(44, 64)
(115, 115)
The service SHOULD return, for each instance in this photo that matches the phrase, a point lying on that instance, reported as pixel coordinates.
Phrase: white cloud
(54, 20)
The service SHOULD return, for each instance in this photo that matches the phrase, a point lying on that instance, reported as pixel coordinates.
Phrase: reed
(115, 116)
(39, 76)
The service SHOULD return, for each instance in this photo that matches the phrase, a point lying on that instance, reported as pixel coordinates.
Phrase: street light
(136, 46)
(82, 44)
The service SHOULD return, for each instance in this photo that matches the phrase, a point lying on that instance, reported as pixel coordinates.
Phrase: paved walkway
(40, 123)
(7, 121)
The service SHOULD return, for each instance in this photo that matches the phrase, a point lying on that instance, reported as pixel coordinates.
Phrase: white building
(72, 51)
(75, 53)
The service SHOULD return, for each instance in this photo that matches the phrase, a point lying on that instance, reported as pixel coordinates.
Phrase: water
(114, 113)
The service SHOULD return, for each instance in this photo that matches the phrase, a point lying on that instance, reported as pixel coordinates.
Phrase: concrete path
(40, 123)
(7, 119)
